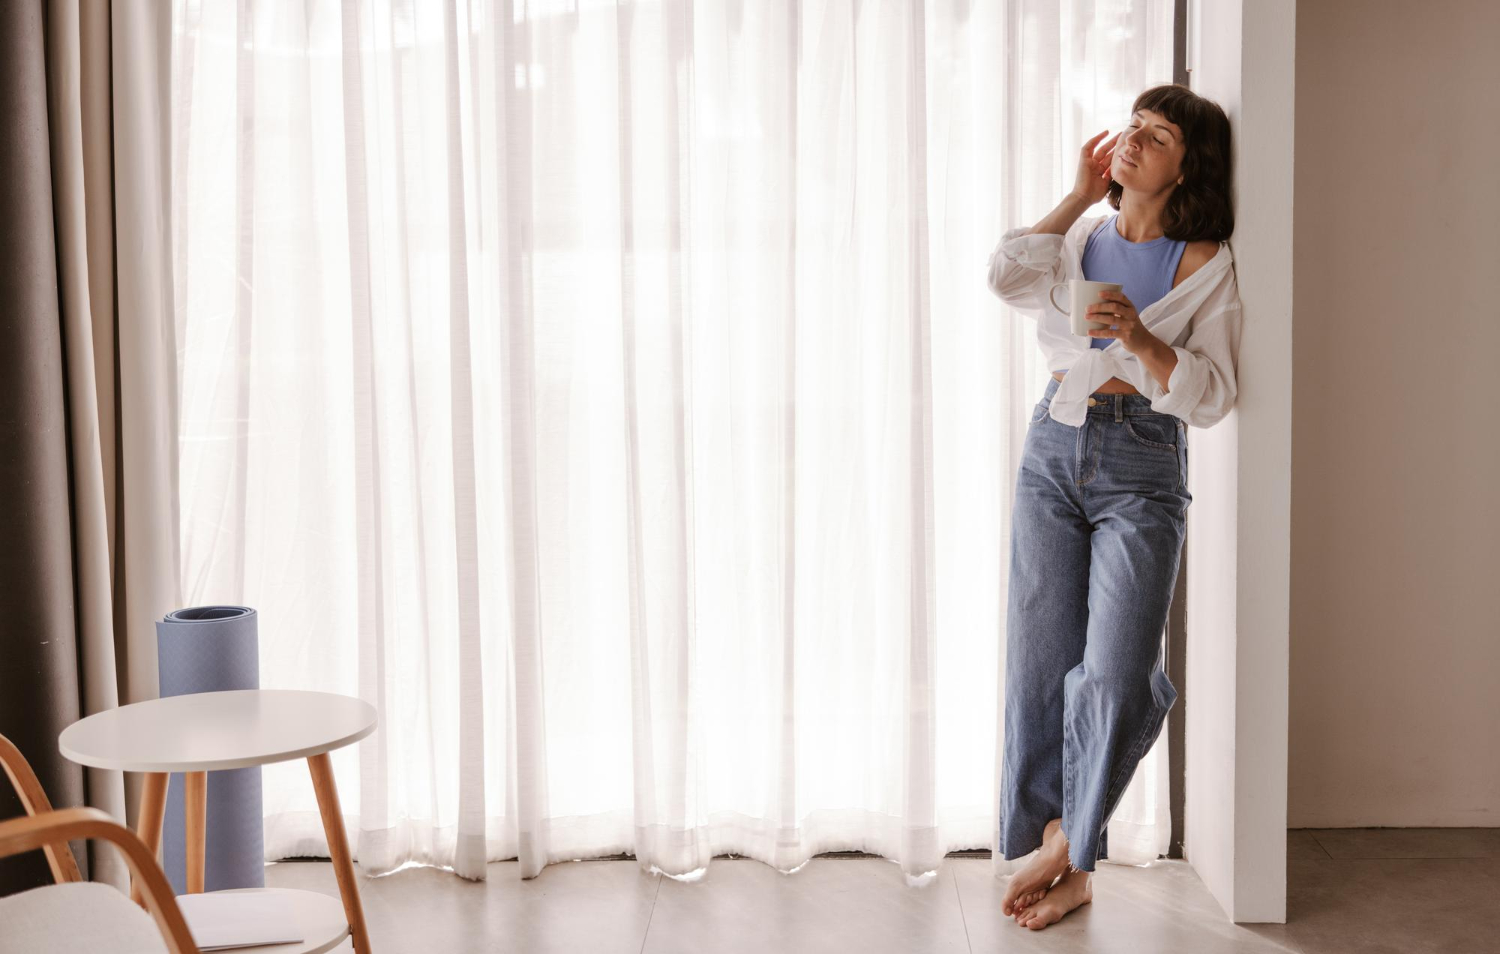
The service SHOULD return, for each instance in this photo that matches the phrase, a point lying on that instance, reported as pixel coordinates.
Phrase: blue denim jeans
(1097, 529)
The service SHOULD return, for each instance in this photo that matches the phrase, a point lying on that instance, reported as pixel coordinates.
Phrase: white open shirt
(1200, 319)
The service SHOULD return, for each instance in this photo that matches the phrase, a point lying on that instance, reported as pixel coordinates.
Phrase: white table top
(207, 731)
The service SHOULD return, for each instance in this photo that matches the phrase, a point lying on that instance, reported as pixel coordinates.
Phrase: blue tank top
(1145, 269)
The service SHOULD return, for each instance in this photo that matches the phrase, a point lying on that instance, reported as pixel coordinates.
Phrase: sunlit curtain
(610, 393)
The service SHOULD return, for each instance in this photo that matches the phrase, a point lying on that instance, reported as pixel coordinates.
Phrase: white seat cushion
(76, 918)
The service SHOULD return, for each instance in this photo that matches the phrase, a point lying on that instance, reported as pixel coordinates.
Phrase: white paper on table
(220, 920)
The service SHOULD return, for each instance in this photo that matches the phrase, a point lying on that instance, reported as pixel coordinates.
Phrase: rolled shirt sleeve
(1024, 267)
(1201, 389)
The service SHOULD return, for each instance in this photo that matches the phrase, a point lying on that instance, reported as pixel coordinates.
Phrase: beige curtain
(109, 107)
(78, 124)
(95, 429)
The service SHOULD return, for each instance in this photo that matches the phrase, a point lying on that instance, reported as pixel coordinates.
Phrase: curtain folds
(609, 393)
(86, 488)
(39, 676)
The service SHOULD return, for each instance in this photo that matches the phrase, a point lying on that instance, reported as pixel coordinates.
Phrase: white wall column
(1242, 56)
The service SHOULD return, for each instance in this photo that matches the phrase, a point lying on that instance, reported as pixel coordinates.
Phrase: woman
(1101, 497)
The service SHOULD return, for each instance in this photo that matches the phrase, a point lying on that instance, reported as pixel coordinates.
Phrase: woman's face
(1148, 155)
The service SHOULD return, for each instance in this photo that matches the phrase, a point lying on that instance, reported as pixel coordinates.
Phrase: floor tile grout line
(1399, 857)
(962, 918)
(650, 917)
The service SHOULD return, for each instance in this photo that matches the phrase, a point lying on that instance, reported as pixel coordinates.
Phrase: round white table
(202, 732)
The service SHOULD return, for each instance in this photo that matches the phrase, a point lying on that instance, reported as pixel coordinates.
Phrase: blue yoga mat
(211, 649)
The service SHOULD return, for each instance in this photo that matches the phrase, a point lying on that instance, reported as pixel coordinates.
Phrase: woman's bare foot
(1073, 889)
(1030, 884)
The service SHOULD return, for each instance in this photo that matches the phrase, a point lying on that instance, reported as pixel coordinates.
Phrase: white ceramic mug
(1081, 294)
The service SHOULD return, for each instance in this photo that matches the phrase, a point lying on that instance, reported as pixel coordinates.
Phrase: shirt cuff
(1034, 250)
(1184, 386)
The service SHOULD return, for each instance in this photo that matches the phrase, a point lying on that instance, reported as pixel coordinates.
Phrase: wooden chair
(73, 914)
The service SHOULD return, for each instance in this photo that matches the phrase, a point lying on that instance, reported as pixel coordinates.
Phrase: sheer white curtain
(610, 393)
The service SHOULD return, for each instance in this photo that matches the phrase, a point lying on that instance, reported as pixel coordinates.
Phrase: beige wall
(1395, 589)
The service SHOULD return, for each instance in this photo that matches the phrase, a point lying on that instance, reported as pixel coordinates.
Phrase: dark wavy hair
(1201, 207)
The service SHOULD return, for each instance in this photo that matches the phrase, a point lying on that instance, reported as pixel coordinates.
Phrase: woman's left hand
(1117, 310)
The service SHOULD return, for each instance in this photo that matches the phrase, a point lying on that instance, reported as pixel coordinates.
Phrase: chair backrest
(59, 856)
(49, 830)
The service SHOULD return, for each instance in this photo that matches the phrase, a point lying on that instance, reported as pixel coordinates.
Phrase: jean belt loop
(1119, 408)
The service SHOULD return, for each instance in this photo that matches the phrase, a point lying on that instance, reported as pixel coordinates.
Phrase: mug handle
(1052, 292)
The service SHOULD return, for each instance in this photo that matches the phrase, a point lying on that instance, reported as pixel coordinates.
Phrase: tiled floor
(1370, 891)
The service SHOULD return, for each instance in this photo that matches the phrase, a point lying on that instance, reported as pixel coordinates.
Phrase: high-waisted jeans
(1099, 520)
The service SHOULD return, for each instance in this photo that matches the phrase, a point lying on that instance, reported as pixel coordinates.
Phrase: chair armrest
(59, 856)
(39, 831)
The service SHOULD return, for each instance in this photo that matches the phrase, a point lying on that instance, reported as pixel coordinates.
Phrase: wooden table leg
(148, 826)
(338, 848)
(196, 811)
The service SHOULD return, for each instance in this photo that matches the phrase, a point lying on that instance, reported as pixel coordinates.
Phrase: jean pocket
(1039, 413)
(1182, 455)
(1153, 430)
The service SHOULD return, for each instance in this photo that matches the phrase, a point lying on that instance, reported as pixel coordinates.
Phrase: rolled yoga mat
(212, 649)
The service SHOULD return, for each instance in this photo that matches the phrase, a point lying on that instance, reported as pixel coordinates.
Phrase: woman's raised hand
(1094, 164)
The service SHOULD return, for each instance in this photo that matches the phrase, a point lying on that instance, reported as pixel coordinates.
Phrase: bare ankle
(1056, 836)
